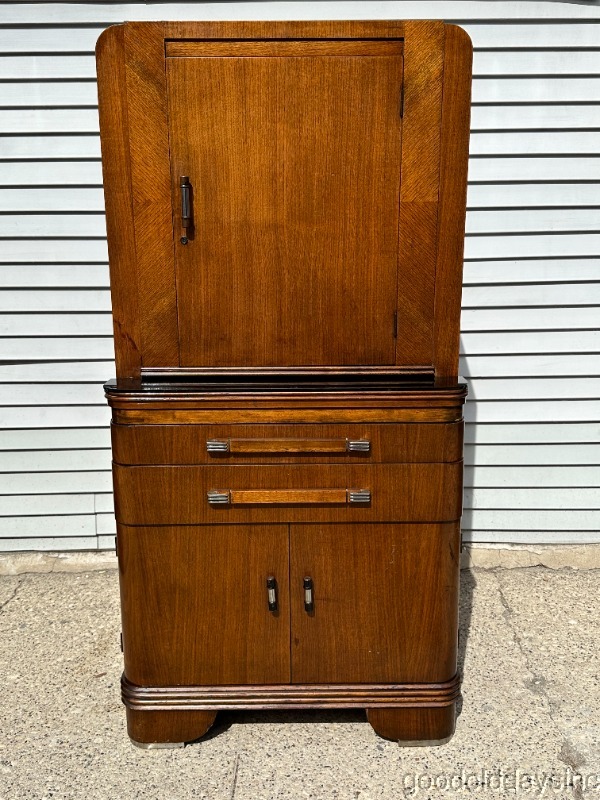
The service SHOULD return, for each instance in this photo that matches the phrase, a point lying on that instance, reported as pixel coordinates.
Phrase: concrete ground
(529, 725)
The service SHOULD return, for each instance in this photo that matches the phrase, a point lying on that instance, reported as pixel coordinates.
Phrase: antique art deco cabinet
(285, 210)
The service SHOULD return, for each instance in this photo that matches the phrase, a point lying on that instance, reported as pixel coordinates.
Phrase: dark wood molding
(221, 698)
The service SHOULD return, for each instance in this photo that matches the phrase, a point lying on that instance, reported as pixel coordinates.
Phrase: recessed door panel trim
(186, 48)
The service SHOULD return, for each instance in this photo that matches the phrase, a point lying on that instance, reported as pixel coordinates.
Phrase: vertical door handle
(272, 593)
(186, 206)
(308, 594)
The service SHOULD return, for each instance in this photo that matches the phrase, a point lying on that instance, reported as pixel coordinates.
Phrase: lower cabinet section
(289, 604)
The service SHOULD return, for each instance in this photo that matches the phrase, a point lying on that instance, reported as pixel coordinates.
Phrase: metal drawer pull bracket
(308, 594)
(219, 497)
(272, 593)
(358, 445)
(359, 496)
(217, 445)
(216, 498)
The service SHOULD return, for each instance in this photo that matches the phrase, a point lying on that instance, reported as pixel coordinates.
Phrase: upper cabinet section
(285, 195)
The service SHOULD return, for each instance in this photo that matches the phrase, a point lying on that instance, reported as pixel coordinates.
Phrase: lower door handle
(272, 593)
(309, 602)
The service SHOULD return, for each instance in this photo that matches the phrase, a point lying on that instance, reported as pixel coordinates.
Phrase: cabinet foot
(154, 729)
(414, 727)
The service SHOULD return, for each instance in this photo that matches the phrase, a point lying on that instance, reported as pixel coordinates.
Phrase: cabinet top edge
(286, 29)
(131, 390)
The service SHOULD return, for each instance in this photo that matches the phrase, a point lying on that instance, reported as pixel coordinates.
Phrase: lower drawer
(188, 495)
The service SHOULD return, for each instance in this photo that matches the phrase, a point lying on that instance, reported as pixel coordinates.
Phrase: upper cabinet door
(293, 153)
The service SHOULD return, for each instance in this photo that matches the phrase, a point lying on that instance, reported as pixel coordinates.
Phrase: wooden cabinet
(285, 213)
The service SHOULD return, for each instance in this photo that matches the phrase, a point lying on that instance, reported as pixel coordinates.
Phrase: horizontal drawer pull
(231, 497)
(288, 445)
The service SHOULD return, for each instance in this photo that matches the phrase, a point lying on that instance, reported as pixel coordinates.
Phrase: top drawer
(268, 444)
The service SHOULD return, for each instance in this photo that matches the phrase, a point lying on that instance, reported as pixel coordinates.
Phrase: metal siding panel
(531, 272)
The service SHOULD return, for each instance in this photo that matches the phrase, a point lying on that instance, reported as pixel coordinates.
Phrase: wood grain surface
(178, 495)
(456, 109)
(151, 192)
(423, 71)
(296, 180)
(385, 600)
(116, 170)
(186, 444)
(315, 300)
(195, 606)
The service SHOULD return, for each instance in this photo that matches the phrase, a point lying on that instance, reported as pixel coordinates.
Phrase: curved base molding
(236, 698)
(411, 713)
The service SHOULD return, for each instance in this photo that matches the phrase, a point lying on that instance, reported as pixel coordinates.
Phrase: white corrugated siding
(532, 273)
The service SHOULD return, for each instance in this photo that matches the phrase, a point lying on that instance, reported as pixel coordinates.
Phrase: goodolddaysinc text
(538, 784)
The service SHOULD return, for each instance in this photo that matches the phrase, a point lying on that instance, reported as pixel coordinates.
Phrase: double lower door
(381, 607)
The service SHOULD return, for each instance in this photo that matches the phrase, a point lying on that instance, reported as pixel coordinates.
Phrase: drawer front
(268, 444)
(292, 493)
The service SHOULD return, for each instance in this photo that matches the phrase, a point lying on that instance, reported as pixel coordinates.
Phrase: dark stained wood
(385, 599)
(151, 187)
(296, 182)
(195, 604)
(176, 407)
(434, 152)
(456, 110)
(180, 397)
(414, 725)
(329, 695)
(186, 444)
(178, 495)
(147, 727)
(423, 70)
(386, 376)
(116, 170)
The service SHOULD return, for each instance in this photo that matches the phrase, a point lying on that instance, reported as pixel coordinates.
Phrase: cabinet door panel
(195, 604)
(385, 603)
(294, 162)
